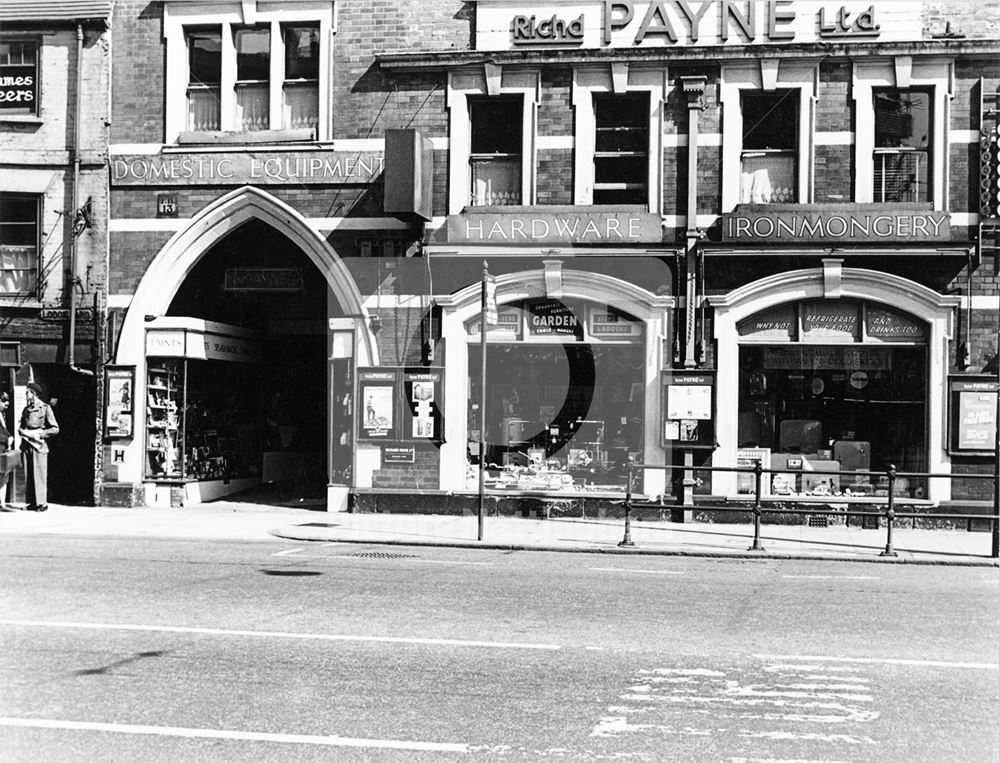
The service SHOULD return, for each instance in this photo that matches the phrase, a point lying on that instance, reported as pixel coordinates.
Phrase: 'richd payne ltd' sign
(272, 168)
(506, 24)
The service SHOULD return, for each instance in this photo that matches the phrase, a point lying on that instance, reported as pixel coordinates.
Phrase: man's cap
(35, 387)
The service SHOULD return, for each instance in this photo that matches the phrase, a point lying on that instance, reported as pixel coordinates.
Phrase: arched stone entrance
(181, 256)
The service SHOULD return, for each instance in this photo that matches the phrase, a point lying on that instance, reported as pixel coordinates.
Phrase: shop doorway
(264, 419)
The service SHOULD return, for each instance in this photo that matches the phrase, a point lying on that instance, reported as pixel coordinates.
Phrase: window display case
(164, 409)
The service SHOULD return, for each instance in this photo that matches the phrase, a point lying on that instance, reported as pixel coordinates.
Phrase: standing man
(38, 423)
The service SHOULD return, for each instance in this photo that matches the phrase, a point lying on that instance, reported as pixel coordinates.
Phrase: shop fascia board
(963, 250)
(447, 59)
(520, 251)
(170, 322)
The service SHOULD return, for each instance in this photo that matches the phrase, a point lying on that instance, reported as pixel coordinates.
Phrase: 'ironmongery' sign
(856, 223)
(271, 168)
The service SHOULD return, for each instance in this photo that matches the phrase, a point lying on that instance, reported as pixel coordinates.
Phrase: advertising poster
(688, 409)
(972, 413)
(422, 390)
(119, 390)
(377, 391)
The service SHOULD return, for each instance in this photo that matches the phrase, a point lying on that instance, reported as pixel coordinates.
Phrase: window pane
(620, 196)
(770, 120)
(204, 109)
(621, 169)
(900, 176)
(621, 111)
(496, 182)
(18, 70)
(301, 52)
(253, 55)
(18, 243)
(205, 57)
(767, 178)
(253, 107)
(496, 125)
(902, 118)
(301, 105)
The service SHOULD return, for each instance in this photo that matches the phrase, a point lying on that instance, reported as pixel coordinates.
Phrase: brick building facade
(54, 81)
(718, 234)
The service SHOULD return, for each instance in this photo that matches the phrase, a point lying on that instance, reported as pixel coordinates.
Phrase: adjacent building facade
(54, 109)
(710, 233)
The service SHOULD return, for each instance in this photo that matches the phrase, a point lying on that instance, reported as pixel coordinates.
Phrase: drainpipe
(75, 207)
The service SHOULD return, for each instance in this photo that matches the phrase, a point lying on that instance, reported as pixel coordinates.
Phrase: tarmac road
(156, 649)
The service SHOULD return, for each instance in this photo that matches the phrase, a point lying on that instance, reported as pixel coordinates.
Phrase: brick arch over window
(181, 253)
(834, 282)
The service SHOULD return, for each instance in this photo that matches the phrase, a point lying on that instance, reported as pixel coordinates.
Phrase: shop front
(835, 370)
(571, 386)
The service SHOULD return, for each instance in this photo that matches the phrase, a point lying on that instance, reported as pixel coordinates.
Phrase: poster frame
(705, 426)
(114, 410)
(958, 384)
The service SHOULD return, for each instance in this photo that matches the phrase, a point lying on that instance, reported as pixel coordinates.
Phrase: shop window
(18, 77)
(621, 149)
(256, 84)
(902, 145)
(19, 219)
(834, 386)
(495, 158)
(770, 129)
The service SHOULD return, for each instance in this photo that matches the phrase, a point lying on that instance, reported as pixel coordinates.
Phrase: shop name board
(326, 167)
(857, 225)
(661, 23)
(17, 87)
(543, 227)
(178, 343)
(551, 317)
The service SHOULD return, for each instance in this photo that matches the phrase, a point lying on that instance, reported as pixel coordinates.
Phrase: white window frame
(490, 80)
(767, 75)
(228, 16)
(37, 246)
(36, 113)
(902, 72)
(616, 79)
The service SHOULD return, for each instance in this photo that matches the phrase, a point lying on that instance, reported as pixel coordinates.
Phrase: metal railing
(889, 513)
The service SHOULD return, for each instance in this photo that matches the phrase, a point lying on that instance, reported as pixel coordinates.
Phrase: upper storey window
(240, 68)
(19, 216)
(902, 145)
(18, 77)
(770, 138)
(495, 158)
(621, 149)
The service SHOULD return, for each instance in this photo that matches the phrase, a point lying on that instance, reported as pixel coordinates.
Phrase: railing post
(758, 473)
(890, 513)
(627, 540)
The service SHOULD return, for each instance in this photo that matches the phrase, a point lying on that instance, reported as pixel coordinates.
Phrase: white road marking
(289, 551)
(632, 569)
(832, 577)
(881, 661)
(242, 736)
(812, 737)
(412, 561)
(279, 634)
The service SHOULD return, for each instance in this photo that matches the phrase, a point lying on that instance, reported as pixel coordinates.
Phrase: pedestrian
(38, 423)
(8, 456)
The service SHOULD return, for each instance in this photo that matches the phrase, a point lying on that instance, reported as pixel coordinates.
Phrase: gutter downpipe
(75, 197)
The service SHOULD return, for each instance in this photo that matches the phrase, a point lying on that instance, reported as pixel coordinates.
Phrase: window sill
(23, 119)
(225, 137)
(23, 302)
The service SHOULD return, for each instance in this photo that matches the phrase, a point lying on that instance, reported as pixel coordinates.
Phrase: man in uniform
(38, 423)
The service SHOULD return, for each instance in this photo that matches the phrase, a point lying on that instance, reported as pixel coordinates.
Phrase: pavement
(307, 521)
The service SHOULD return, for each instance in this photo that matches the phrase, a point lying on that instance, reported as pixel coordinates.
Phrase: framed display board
(119, 402)
(400, 404)
(972, 414)
(688, 406)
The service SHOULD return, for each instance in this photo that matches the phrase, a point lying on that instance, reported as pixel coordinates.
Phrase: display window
(834, 386)
(564, 398)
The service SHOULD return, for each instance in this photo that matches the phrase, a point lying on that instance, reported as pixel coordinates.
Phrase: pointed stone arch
(184, 250)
